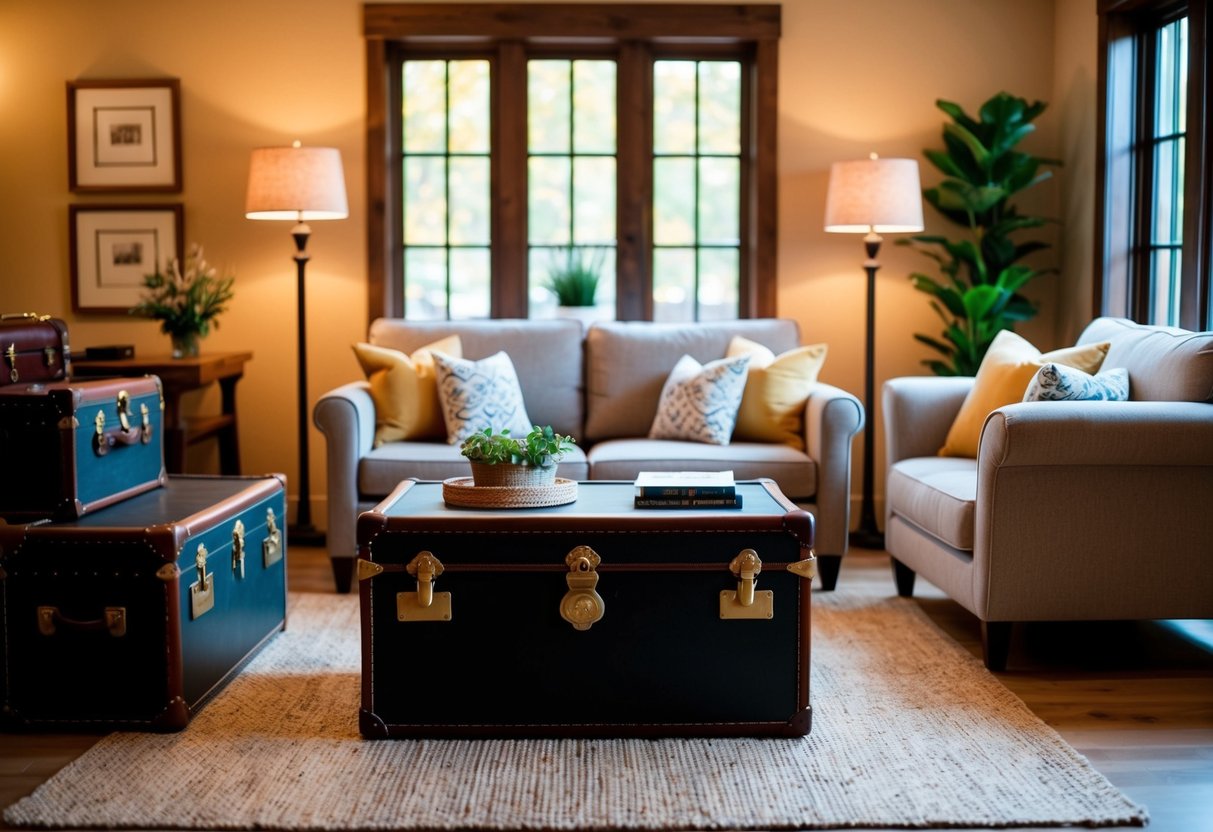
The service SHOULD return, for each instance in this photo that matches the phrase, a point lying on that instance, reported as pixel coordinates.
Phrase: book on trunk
(685, 485)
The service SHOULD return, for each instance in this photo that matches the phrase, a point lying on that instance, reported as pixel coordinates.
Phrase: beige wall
(854, 78)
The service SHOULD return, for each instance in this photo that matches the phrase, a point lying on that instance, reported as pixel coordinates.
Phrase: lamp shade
(874, 195)
(296, 183)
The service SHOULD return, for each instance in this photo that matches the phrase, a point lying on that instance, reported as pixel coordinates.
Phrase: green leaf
(979, 151)
(979, 300)
(938, 346)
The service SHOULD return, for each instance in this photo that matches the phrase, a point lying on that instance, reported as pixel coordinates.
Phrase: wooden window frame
(634, 34)
(1125, 261)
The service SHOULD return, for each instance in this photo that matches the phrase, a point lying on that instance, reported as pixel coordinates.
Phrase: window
(1154, 237)
(497, 143)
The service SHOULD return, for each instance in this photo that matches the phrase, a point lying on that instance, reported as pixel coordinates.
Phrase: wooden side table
(179, 376)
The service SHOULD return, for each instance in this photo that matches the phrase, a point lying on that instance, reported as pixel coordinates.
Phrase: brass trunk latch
(11, 355)
(202, 591)
(582, 606)
(746, 602)
(271, 549)
(425, 604)
(238, 549)
(145, 435)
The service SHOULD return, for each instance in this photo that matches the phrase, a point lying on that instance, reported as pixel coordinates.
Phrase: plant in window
(983, 171)
(573, 275)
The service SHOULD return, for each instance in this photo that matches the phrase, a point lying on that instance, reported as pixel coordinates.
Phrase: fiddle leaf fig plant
(979, 294)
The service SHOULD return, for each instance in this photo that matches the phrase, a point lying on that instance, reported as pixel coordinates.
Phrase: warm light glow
(874, 195)
(296, 183)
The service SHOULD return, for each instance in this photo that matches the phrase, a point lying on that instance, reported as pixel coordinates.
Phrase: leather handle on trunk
(113, 620)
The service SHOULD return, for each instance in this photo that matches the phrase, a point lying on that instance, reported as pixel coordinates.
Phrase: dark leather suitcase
(71, 447)
(35, 348)
(485, 622)
(136, 615)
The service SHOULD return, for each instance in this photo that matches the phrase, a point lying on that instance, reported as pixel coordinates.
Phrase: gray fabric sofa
(1072, 510)
(601, 386)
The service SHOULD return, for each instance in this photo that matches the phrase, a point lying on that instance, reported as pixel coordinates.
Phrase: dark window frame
(1125, 29)
(634, 34)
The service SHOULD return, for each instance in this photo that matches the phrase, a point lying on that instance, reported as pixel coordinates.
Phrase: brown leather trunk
(33, 348)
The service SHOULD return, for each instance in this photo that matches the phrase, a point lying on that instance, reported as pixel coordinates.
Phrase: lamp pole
(303, 532)
(868, 535)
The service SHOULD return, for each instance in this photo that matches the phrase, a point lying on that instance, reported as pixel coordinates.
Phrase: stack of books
(686, 489)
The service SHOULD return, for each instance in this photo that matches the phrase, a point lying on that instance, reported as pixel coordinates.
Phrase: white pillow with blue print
(480, 394)
(1057, 383)
(699, 402)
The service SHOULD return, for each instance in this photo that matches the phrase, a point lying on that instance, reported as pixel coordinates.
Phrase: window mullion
(509, 183)
(634, 209)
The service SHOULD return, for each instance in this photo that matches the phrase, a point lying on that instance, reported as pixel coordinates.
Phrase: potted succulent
(501, 460)
(573, 278)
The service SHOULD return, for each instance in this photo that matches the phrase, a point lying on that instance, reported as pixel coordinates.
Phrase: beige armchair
(1072, 510)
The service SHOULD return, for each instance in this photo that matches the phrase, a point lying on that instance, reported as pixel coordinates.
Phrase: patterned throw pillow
(480, 394)
(1057, 383)
(699, 401)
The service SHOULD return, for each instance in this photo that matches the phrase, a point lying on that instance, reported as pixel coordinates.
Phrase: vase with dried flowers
(186, 300)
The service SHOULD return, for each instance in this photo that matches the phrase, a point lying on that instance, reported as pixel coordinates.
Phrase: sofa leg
(903, 577)
(827, 570)
(343, 573)
(996, 644)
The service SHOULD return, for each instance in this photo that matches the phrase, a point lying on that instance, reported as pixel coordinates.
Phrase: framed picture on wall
(124, 135)
(114, 246)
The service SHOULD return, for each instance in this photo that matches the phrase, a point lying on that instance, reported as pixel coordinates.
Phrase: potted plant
(573, 278)
(501, 460)
(983, 171)
(186, 302)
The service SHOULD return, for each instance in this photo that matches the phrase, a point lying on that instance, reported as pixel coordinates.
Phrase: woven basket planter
(512, 476)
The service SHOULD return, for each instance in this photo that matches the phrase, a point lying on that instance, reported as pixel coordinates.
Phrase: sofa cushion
(1165, 364)
(383, 468)
(1059, 383)
(404, 390)
(937, 494)
(627, 363)
(623, 459)
(699, 401)
(1002, 378)
(546, 356)
(776, 389)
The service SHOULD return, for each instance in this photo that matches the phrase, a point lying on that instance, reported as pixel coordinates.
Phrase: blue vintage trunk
(72, 447)
(134, 616)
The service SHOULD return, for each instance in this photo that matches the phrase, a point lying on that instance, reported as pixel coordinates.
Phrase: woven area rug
(909, 730)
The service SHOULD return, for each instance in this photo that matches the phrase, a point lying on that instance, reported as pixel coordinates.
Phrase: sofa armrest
(1094, 509)
(1099, 433)
(832, 417)
(918, 412)
(346, 417)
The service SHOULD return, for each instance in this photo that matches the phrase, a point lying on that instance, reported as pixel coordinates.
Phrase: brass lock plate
(271, 547)
(732, 609)
(409, 607)
(202, 591)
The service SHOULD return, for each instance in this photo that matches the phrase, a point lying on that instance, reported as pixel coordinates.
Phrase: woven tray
(459, 491)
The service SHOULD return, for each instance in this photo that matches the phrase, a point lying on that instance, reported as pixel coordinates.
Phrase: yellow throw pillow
(1002, 378)
(405, 390)
(776, 389)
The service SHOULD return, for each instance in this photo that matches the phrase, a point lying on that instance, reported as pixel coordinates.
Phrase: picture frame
(114, 246)
(124, 135)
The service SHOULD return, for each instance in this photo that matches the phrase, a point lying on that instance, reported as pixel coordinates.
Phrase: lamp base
(867, 539)
(305, 535)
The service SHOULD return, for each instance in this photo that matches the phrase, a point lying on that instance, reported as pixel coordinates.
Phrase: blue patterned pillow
(699, 401)
(480, 394)
(1057, 382)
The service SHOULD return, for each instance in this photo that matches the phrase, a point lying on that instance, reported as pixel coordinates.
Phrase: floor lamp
(872, 197)
(298, 184)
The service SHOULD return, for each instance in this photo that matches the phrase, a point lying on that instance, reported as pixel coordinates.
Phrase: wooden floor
(1135, 697)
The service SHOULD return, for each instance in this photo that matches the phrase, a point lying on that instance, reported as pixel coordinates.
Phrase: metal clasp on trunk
(582, 606)
(425, 604)
(113, 621)
(10, 353)
(238, 549)
(271, 549)
(746, 602)
(202, 591)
